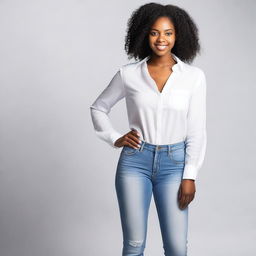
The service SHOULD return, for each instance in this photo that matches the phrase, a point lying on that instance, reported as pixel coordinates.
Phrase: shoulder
(129, 70)
(130, 67)
(193, 70)
(195, 74)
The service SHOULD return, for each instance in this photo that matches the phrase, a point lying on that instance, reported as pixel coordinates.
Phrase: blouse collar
(176, 67)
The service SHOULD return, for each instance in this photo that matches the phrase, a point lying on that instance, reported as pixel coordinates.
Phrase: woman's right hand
(130, 139)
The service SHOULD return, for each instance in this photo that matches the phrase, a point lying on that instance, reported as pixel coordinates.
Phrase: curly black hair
(136, 40)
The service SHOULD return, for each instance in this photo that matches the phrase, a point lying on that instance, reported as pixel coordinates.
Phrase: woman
(166, 106)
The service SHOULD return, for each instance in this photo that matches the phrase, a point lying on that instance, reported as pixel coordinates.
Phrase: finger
(130, 142)
(187, 200)
(182, 202)
(179, 193)
(131, 145)
(133, 135)
(134, 140)
(127, 141)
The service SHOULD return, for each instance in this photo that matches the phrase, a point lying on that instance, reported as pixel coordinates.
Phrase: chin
(161, 53)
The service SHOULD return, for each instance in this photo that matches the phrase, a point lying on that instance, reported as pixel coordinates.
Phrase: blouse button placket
(159, 117)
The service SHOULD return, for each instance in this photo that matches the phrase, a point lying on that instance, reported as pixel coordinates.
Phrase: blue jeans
(157, 169)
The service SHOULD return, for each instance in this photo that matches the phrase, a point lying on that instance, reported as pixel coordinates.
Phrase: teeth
(161, 47)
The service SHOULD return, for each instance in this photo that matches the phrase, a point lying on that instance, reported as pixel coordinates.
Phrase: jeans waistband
(159, 147)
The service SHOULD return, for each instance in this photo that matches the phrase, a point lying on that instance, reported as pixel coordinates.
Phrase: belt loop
(142, 145)
(169, 149)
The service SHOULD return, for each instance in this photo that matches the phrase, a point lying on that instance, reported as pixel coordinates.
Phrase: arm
(102, 106)
(196, 130)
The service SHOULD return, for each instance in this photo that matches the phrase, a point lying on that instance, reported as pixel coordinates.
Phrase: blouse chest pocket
(177, 99)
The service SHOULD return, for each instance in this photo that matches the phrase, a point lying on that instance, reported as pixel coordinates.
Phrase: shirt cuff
(113, 137)
(190, 172)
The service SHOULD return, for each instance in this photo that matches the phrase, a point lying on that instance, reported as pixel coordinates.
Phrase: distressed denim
(151, 169)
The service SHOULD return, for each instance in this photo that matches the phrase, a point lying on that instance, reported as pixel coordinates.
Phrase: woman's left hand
(186, 192)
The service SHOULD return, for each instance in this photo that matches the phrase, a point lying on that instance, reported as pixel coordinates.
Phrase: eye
(153, 33)
(169, 33)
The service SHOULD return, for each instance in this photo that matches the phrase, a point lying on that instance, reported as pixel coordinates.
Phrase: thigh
(134, 192)
(173, 221)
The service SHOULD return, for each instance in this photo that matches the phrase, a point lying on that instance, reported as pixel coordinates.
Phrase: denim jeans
(156, 169)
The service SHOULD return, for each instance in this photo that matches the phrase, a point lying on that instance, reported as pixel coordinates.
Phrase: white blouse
(178, 113)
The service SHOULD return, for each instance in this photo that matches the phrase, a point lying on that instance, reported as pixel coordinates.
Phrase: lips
(161, 47)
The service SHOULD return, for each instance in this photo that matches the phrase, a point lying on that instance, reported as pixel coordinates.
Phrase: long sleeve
(196, 138)
(102, 106)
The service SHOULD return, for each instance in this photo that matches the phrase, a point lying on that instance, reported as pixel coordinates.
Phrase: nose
(160, 38)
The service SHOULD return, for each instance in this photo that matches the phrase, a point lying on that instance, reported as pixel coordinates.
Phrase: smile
(161, 47)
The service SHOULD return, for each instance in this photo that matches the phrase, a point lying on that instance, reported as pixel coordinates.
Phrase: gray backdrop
(57, 193)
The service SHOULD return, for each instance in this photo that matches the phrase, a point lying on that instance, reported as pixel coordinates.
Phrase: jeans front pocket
(177, 155)
(129, 150)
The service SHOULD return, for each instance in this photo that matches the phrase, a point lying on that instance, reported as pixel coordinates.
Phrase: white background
(57, 194)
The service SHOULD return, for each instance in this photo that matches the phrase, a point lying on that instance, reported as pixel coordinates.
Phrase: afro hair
(139, 24)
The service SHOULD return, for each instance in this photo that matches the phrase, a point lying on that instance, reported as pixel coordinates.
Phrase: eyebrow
(165, 29)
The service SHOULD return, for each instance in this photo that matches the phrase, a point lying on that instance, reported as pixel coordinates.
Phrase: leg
(173, 221)
(134, 192)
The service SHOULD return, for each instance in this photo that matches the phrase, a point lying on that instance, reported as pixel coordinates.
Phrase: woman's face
(162, 36)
